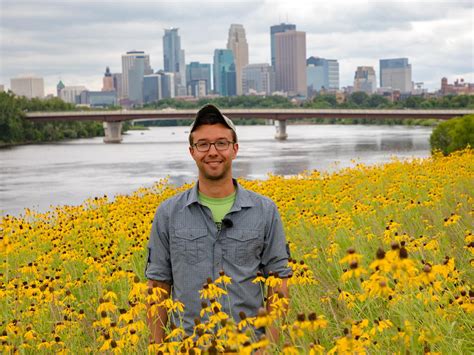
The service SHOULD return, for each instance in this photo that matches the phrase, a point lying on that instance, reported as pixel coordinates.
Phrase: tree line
(358, 100)
(15, 129)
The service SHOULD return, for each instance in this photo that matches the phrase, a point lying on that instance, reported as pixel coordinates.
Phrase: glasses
(219, 145)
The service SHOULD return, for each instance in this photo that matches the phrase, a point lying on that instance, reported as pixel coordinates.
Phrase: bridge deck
(275, 114)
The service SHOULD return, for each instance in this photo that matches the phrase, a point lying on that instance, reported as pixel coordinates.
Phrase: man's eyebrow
(208, 140)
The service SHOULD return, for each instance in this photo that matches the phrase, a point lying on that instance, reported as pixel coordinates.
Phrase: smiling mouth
(213, 163)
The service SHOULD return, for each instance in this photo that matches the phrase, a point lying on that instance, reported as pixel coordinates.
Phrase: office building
(152, 88)
(108, 81)
(168, 84)
(98, 98)
(135, 65)
(237, 42)
(173, 59)
(224, 72)
(282, 27)
(322, 74)
(197, 75)
(396, 74)
(28, 87)
(72, 94)
(333, 74)
(59, 87)
(117, 83)
(365, 80)
(258, 79)
(2, 88)
(290, 63)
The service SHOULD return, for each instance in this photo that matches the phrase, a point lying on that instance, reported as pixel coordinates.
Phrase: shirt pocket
(190, 245)
(244, 246)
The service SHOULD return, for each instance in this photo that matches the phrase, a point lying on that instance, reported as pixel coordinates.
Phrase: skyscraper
(135, 65)
(108, 81)
(290, 62)
(282, 27)
(322, 74)
(365, 80)
(117, 80)
(396, 74)
(198, 74)
(72, 94)
(29, 87)
(59, 87)
(173, 59)
(333, 74)
(152, 88)
(224, 72)
(258, 79)
(240, 49)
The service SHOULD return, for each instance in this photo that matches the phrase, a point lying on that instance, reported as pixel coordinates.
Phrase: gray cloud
(75, 40)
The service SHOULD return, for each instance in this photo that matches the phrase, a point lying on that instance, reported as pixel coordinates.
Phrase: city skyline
(74, 42)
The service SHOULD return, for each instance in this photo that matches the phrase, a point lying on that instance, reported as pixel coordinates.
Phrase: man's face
(214, 164)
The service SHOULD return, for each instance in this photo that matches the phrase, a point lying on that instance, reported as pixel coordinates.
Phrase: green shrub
(453, 135)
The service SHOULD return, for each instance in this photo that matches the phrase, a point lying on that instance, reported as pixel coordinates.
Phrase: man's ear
(235, 149)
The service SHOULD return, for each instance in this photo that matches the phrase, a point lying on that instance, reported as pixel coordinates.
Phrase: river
(41, 175)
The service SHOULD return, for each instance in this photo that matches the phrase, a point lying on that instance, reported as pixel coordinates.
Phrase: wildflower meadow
(382, 260)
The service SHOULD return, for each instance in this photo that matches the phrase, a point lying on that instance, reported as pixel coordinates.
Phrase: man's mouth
(213, 162)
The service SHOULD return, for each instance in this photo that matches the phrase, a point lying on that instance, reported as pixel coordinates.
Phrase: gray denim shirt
(186, 248)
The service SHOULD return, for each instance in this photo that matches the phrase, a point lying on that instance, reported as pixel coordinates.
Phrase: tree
(453, 135)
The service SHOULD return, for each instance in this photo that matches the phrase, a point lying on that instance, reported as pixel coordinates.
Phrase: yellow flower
(273, 281)
(172, 306)
(354, 272)
(351, 257)
(381, 326)
(223, 278)
(175, 333)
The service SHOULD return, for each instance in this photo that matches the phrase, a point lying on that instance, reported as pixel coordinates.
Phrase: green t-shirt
(218, 206)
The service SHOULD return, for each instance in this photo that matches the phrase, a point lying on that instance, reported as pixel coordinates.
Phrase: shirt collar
(242, 196)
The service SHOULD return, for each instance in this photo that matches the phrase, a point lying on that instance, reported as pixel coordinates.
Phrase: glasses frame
(215, 146)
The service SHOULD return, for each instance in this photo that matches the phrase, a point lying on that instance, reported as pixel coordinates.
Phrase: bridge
(112, 120)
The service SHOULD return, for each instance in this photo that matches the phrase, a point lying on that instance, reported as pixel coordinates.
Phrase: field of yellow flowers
(382, 257)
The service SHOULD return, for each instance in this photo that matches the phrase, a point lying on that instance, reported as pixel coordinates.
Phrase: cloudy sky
(74, 40)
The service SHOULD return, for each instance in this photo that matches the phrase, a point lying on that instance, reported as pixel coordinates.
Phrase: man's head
(209, 115)
(213, 143)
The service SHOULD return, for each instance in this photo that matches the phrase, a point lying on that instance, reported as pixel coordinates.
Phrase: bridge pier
(113, 132)
(281, 130)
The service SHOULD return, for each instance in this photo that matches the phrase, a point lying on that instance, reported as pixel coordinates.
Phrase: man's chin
(214, 177)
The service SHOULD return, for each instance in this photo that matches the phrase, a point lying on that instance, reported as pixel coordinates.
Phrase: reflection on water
(69, 172)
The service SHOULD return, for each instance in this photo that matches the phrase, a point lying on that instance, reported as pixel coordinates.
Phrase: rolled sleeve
(275, 254)
(158, 265)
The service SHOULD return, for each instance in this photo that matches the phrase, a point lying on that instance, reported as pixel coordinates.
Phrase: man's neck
(216, 188)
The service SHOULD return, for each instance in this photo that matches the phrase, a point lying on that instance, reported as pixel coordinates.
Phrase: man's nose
(212, 149)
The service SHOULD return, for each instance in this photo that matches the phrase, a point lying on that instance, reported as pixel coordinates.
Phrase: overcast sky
(74, 40)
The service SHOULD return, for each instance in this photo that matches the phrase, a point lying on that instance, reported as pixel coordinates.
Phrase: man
(215, 226)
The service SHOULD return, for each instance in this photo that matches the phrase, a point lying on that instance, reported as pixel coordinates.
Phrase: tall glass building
(224, 73)
(322, 74)
(173, 59)
(396, 74)
(196, 73)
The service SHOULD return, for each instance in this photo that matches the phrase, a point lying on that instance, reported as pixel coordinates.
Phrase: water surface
(37, 176)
